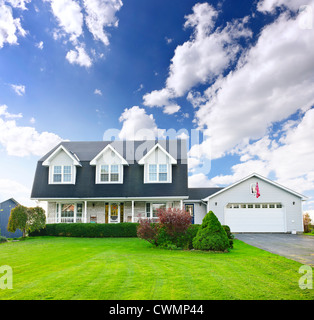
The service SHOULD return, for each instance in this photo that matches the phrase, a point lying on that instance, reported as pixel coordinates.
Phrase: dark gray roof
(201, 193)
(133, 176)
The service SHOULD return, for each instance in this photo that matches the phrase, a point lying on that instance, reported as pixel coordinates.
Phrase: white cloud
(19, 89)
(20, 4)
(79, 56)
(168, 40)
(40, 45)
(202, 58)
(98, 92)
(14, 189)
(101, 14)
(4, 113)
(273, 80)
(271, 5)
(10, 28)
(32, 120)
(137, 125)
(24, 141)
(290, 159)
(69, 16)
(171, 109)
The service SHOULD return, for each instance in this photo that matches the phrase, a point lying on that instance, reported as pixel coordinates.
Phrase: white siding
(269, 194)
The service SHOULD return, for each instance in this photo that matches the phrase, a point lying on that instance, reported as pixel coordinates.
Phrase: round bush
(211, 235)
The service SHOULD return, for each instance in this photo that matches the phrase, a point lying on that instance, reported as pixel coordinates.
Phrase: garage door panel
(256, 220)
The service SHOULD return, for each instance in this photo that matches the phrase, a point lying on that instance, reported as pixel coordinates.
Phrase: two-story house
(123, 181)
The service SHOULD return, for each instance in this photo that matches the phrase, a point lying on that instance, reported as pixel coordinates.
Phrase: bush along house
(124, 181)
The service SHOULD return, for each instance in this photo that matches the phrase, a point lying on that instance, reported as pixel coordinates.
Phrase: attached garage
(257, 204)
(261, 217)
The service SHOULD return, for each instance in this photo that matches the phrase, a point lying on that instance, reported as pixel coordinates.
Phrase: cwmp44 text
(158, 309)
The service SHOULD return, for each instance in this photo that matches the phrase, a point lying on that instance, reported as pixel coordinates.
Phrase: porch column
(181, 204)
(118, 212)
(85, 211)
(109, 212)
(132, 210)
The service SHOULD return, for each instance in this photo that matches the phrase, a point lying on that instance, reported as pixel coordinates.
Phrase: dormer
(109, 166)
(157, 165)
(62, 166)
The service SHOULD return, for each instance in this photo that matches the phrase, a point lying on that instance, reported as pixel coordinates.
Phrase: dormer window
(109, 166)
(62, 166)
(157, 165)
(62, 174)
(109, 173)
(157, 172)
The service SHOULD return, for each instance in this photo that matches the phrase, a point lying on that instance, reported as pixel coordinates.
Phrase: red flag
(257, 190)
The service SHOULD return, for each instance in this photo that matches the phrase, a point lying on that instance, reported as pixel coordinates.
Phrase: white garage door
(262, 217)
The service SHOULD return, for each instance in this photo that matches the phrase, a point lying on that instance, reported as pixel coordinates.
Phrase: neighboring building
(123, 181)
(5, 210)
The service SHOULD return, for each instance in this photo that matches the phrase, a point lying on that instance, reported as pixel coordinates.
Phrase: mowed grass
(132, 269)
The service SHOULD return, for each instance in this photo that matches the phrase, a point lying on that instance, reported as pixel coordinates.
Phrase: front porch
(107, 211)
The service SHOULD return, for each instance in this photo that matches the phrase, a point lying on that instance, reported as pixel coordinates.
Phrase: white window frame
(52, 173)
(169, 173)
(120, 173)
(59, 218)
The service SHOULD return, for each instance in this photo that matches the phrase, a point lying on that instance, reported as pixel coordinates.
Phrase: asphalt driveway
(293, 246)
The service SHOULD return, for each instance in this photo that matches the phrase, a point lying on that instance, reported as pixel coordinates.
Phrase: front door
(190, 208)
(112, 211)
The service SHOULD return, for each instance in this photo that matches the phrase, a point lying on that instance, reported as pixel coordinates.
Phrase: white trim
(98, 174)
(108, 146)
(157, 145)
(51, 174)
(114, 198)
(61, 147)
(262, 178)
(169, 173)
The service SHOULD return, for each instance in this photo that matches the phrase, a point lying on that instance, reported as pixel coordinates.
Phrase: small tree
(36, 219)
(26, 219)
(211, 235)
(306, 222)
(18, 219)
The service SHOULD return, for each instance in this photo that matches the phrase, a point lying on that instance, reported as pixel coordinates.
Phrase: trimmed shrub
(3, 239)
(89, 230)
(229, 235)
(211, 235)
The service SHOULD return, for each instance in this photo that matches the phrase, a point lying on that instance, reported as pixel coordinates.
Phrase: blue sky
(240, 72)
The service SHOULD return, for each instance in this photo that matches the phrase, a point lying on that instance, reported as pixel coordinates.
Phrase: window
(250, 206)
(236, 206)
(152, 172)
(257, 206)
(104, 173)
(148, 210)
(57, 174)
(157, 206)
(278, 205)
(158, 173)
(109, 173)
(69, 212)
(79, 211)
(264, 205)
(62, 174)
(114, 176)
(272, 206)
(67, 175)
(163, 172)
(243, 206)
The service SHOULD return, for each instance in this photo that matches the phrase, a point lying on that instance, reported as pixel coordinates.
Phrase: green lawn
(130, 268)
